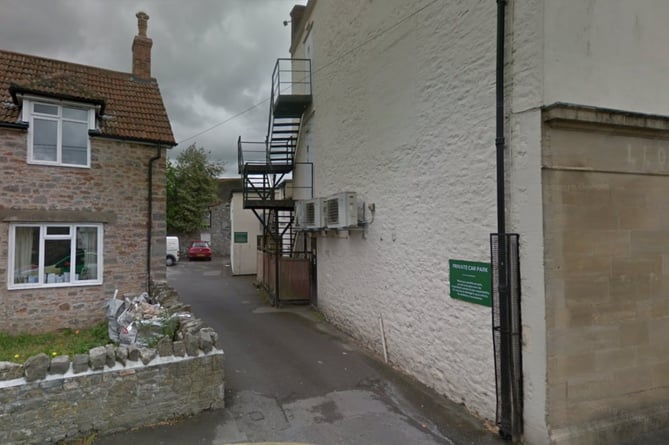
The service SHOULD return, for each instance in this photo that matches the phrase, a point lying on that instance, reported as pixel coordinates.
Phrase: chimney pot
(142, 19)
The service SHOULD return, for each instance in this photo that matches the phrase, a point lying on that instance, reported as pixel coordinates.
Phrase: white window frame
(41, 276)
(28, 116)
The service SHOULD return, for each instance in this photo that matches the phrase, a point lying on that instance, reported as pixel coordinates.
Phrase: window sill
(53, 285)
(56, 164)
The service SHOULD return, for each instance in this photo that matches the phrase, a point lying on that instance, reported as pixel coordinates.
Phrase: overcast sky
(213, 59)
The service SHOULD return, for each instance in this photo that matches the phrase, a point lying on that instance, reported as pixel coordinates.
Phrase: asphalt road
(291, 377)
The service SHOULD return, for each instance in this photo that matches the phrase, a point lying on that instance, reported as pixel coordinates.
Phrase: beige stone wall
(115, 191)
(606, 226)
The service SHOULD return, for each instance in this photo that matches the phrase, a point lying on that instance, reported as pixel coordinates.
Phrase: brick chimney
(141, 49)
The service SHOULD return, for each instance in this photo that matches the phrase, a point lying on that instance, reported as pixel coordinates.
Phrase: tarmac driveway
(291, 377)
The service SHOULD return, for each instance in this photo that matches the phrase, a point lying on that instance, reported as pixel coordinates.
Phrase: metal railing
(254, 156)
(282, 152)
(291, 77)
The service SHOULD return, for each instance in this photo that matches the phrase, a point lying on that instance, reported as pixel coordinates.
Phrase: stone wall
(109, 399)
(113, 191)
(606, 176)
(220, 216)
(220, 229)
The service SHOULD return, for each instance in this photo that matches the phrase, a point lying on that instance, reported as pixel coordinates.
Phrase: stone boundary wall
(112, 399)
(112, 388)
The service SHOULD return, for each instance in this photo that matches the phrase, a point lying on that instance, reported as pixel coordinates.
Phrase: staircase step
(280, 204)
(267, 168)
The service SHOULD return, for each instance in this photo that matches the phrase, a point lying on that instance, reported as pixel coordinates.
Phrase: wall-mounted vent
(312, 214)
(343, 211)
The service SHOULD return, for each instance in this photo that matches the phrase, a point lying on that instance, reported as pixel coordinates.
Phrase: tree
(191, 189)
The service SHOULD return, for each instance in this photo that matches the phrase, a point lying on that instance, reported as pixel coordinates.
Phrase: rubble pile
(143, 321)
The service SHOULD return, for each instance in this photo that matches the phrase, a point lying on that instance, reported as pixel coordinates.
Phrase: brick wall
(116, 186)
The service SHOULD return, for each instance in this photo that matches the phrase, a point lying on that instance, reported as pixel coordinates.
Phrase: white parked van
(172, 248)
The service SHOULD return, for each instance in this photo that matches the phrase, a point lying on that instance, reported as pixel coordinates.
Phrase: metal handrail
(280, 86)
(240, 156)
(287, 156)
(284, 86)
(254, 157)
(291, 77)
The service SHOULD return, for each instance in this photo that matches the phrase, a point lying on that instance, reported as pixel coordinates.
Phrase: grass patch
(18, 348)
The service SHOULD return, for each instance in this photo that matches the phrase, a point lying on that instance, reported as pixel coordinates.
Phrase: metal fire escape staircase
(265, 166)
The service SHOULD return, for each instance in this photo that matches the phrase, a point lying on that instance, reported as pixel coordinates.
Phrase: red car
(199, 250)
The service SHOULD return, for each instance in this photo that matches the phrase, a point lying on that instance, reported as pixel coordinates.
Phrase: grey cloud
(212, 58)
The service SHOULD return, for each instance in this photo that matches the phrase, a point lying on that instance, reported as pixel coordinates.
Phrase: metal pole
(277, 250)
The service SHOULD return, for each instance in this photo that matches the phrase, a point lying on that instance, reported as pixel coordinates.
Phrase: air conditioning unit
(309, 214)
(343, 210)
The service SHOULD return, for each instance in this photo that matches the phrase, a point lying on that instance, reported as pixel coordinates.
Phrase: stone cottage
(82, 175)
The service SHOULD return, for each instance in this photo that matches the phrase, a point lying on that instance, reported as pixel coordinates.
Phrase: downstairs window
(54, 255)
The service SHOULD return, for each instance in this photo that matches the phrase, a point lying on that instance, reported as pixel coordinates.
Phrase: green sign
(470, 281)
(241, 237)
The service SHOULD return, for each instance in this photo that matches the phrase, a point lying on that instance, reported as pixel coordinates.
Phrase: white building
(403, 113)
(244, 231)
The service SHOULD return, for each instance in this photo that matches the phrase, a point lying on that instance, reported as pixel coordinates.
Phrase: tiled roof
(132, 108)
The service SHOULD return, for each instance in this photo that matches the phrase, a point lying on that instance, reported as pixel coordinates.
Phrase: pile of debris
(144, 320)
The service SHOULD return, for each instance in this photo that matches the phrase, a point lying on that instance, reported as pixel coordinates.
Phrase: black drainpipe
(507, 417)
(499, 139)
(149, 228)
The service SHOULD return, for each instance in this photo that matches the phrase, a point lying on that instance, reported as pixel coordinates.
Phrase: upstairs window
(58, 133)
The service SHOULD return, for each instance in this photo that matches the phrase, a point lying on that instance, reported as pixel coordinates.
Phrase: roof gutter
(99, 134)
(16, 125)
